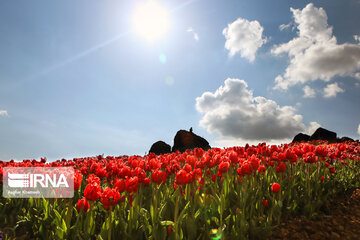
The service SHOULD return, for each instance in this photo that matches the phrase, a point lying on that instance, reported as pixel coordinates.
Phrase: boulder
(323, 134)
(301, 137)
(188, 140)
(345, 139)
(160, 147)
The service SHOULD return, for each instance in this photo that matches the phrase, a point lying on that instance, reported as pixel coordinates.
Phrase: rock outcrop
(323, 134)
(160, 147)
(345, 139)
(188, 140)
(301, 137)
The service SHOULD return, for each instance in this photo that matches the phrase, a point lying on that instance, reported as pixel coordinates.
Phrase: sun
(151, 20)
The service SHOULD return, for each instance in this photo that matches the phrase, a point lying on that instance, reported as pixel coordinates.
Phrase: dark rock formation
(188, 140)
(345, 139)
(323, 134)
(301, 137)
(160, 147)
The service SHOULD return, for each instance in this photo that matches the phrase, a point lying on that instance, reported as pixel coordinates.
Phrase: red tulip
(275, 187)
(82, 204)
(120, 185)
(93, 178)
(158, 176)
(261, 169)
(187, 168)
(109, 197)
(132, 184)
(281, 168)
(181, 177)
(223, 167)
(78, 177)
(92, 191)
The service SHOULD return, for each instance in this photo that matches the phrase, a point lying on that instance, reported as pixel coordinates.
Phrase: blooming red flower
(197, 173)
(93, 178)
(254, 161)
(275, 187)
(190, 159)
(78, 177)
(246, 169)
(181, 177)
(322, 178)
(332, 170)
(309, 157)
(213, 178)
(84, 170)
(125, 172)
(223, 167)
(265, 202)
(158, 176)
(233, 157)
(146, 181)
(92, 191)
(100, 172)
(120, 185)
(187, 168)
(261, 169)
(132, 184)
(281, 167)
(109, 197)
(83, 204)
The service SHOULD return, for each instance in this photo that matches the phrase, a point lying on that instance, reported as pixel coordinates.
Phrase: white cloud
(308, 92)
(357, 38)
(234, 113)
(282, 27)
(357, 75)
(358, 130)
(244, 37)
(231, 142)
(331, 90)
(312, 128)
(195, 34)
(314, 54)
(3, 113)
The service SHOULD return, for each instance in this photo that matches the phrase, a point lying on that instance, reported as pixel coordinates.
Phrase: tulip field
(232, 193)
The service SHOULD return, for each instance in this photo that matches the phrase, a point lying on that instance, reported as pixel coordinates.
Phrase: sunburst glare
(151, 20)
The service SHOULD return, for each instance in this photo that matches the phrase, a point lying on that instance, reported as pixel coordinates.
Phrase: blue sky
(77, 79)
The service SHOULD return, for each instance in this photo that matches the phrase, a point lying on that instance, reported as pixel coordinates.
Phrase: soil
(341, 222)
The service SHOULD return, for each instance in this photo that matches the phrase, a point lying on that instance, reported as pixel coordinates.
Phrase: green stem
(176, 213)
(131, 216)
(109, 232)
(89, 216)
(221, 206)
(69, 213)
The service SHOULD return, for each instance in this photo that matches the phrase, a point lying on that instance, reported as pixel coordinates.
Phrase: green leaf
(181, 216)
(167, 223)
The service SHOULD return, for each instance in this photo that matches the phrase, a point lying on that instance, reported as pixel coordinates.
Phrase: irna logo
(38, 182)
(16, 180)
